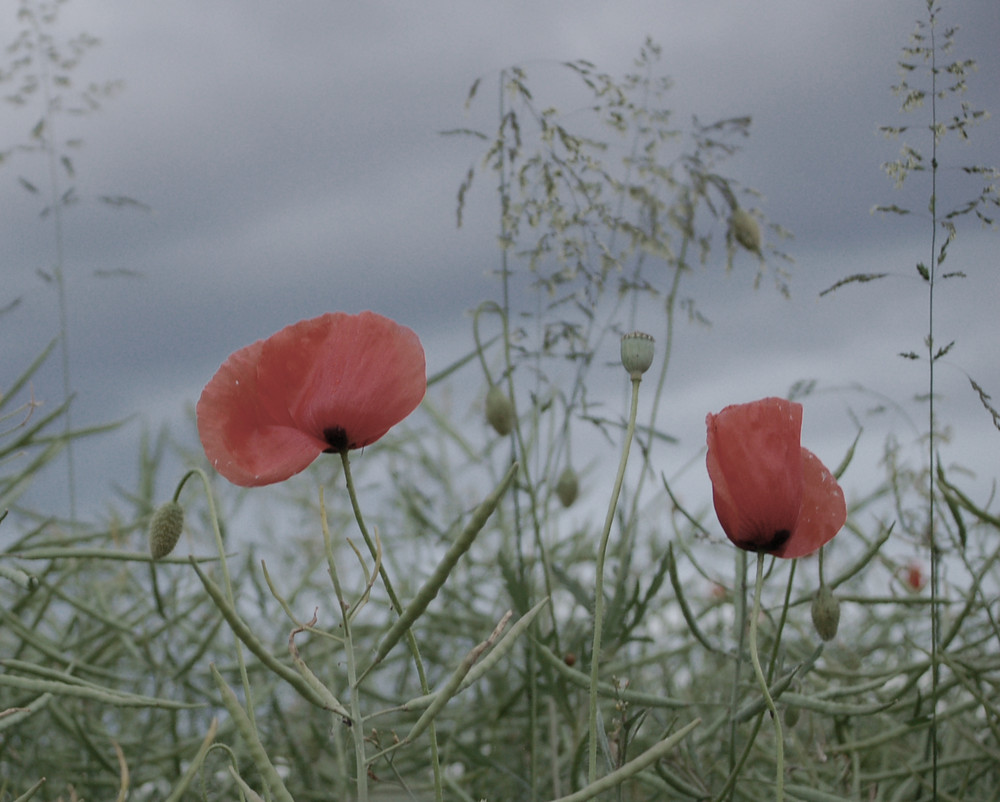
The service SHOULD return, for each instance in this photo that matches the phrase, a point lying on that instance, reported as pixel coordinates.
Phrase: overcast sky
(291, 161)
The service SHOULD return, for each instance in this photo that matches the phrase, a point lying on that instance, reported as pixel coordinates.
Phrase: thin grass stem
(602, 549)
(779, 740)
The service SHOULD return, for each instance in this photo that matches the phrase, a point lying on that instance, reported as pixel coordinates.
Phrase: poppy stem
(228, 582)
(599, 583)
(357, 720)
(394, 600)
(779, 791)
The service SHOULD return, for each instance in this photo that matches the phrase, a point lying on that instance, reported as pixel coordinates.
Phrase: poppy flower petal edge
(361, 373)
(324, 384)
(823, 511)
(242, 440)
(754, 463)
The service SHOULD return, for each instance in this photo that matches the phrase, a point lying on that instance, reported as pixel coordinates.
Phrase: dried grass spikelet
(745, 230)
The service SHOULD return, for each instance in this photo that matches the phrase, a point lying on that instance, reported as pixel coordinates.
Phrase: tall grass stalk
(602, 550)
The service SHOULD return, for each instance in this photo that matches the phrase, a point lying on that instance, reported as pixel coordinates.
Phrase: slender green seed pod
(825, 613)
(745, 230)
(637, 353)
(165, 529)
(499, 411)
(567, 486)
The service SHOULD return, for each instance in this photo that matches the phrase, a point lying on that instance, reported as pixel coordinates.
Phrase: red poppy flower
(915, 575)
(771, 494)
(331, 383)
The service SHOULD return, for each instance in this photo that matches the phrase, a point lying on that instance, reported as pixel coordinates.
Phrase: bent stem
(398, 608)
(599, 584)
(228, 582)
(779, 749)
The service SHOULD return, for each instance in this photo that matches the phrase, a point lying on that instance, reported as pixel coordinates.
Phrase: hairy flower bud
(567, 486)
(165, 529)
(745, 230)
(825, 613)
(637, 353)
(499, 410)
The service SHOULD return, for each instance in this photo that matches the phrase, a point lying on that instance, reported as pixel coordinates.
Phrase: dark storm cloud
(290, 158)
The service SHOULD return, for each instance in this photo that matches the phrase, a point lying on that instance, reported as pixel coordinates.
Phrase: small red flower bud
(915, 579)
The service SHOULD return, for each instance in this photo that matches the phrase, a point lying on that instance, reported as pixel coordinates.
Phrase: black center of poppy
(337, 438)
(778, 539)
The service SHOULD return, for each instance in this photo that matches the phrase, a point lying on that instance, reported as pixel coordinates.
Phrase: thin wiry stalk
(931, 439)
(58, 272)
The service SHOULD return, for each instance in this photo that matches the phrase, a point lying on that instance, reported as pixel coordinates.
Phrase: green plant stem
(357, 727)
(48, 140)
(779, 747)
(227, 579)
(740, 614)
(602, 550)
(398, 608)
(230, 595)
(633, 767)
(931, 441)
(669, 306)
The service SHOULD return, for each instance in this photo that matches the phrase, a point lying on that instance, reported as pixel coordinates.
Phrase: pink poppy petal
(823, 512)
(343, 376)
(242, 440)
(755, 464)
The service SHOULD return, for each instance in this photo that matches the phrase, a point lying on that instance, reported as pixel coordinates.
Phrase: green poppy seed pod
(637, 353)
(567, 486)
(825, 613)
(745, 230)
(499, 410)
(165, 529)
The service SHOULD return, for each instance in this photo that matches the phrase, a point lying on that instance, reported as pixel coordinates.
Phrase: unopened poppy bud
(745, 230)
(825, 613)
(637, 353)
(567, 486)
(914, 576)
(499, 410)
(165, 529)
(791, 716)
